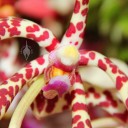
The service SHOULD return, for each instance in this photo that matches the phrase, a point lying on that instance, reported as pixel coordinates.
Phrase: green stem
(25, 102)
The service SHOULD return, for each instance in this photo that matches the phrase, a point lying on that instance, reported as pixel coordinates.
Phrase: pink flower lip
(59, 83)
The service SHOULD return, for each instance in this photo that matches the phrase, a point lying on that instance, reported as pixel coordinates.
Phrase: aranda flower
(51, 76)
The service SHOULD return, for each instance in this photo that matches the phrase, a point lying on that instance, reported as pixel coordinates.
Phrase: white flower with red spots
(57, 73)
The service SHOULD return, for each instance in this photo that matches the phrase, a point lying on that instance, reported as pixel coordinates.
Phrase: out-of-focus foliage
(110, 19)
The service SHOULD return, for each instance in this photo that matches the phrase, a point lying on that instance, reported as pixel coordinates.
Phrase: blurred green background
(108, 21)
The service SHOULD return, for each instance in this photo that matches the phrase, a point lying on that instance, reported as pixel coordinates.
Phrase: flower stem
(25, 102)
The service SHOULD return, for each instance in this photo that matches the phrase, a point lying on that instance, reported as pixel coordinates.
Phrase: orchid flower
(54, 78)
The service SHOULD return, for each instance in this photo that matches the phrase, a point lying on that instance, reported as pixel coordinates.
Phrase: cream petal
(97, 77)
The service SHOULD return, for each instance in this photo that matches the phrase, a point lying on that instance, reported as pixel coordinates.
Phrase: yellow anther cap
(68, 55)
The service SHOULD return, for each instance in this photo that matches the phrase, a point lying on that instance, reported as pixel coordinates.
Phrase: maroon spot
(108, 61)
(40, 102)
(4, 93)
(29, 73)
(114, 103)
(36, 72)
(51, 104)
(114, 68)
(2, 31)
(40, 60)
(79, 106)
(32, 36)
(92, 55)
(101, 65)
(52, 45)
(32, 106)
(86, 95)
(83, 60)
(14, 31)
(96, 95)
(91, 89)
(16, 89)
(125, 78)
(67, 98)
(77, 7)
(110, 98)
(78, 78)
(5, 82)
(76, 43)
(71, 30)
(23, 81)
(28, 65)
(81, 35)
(45, 35)
(104, 104)
(88, 123)
(123, 116)
(76, 119)
(85, 2)
(119, 82)
(80, 125)
(4, 24)
(79, 25)
(108, 94)
(15, 22)
(42, 37)
(84, 12)
(120, 72)
(80, 92)
(72, 95)
(16, 77)
(65, 107)
(33, 28)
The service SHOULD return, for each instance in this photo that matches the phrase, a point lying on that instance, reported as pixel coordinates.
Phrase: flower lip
(63, 78)
(59, 84)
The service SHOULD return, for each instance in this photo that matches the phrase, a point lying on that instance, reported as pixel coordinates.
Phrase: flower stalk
(26, 101)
